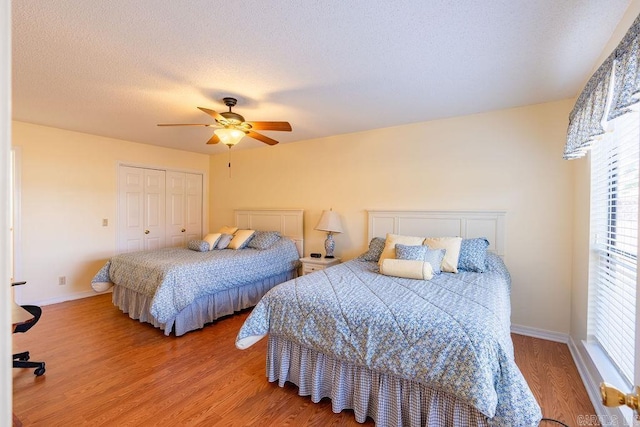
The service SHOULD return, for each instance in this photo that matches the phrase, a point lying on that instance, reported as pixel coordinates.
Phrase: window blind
(614, 227)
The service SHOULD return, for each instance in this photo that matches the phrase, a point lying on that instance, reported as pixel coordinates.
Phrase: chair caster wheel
(39, 371)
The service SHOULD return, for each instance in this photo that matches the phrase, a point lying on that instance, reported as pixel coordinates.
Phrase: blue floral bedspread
(175, 277)
(451, 333)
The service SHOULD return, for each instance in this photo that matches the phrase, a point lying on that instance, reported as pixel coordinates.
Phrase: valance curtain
(621, 69)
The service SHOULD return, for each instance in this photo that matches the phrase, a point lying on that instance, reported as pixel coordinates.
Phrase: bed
(180, 290)
(404, 352)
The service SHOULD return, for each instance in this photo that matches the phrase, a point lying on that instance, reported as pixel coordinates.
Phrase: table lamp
(329, 222)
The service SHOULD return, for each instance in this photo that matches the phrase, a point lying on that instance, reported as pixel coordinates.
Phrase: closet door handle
(146, 231)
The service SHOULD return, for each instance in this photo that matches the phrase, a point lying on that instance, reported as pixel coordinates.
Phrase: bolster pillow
(101, 286)
(408, 269)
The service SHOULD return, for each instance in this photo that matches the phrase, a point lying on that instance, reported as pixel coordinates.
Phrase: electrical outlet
(105, 222)
(62, 280)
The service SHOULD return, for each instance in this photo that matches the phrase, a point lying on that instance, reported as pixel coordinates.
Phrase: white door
(131, 212)
(141, 205)
(176, 231)
(154, 209)
(184, 208)
(193, 206)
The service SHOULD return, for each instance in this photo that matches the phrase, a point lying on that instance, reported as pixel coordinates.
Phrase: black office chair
(21, 360)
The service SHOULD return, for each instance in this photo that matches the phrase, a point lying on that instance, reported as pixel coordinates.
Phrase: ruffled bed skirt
(203, 310)
(389, 400)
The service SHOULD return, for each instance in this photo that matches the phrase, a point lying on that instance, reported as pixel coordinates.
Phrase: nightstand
(309, 265)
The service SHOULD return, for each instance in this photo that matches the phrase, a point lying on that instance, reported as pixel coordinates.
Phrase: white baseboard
(591, 380)
(71, 297)
(592, 387)
(540, 333)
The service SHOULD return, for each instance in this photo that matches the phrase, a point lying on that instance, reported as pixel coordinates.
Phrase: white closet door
(193, 206)
(184, 208)
(154, 209)
(176, 230)
(131, 211)
(141, 205)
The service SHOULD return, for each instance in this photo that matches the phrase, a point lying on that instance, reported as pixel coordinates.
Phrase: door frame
(15, 193)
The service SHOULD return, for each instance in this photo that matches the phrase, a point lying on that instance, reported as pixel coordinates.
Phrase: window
(614, 236)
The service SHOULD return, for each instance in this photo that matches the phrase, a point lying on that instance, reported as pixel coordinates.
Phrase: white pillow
(212, 239)
(240, 239)
(228, 230)
(452, 247)
(389, 250)
(409, 269)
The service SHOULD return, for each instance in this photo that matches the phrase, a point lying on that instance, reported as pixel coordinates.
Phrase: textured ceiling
(117, 68)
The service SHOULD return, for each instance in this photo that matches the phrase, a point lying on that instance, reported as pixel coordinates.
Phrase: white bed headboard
(466, 224)
(289, 222)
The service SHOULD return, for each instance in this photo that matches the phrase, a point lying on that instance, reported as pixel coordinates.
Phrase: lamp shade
(229, 136)
(330, 222)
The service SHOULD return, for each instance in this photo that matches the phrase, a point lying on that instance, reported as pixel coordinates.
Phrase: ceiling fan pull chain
(229, 160)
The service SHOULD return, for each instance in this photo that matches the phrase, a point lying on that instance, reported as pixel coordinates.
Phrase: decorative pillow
(389, 250)
(198, 245)
(408, 269)
(473, 254)
(421, 253)
(224, 241)
(376, 245)
(241, 239)
(212, 239)
(228, 230)
(263, 239)
(452, 247)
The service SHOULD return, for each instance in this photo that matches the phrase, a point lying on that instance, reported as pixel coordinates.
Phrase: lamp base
(329, 246)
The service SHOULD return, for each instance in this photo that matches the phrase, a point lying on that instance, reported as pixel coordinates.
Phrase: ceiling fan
(232, 127)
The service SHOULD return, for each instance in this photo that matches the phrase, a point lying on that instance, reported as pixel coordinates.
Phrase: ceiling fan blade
(260, 137)
(212, 113)
(214, 139)
(280, 126)
(183, 124)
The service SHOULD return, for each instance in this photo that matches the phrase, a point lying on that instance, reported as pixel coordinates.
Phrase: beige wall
(507, 160)
(68, 184)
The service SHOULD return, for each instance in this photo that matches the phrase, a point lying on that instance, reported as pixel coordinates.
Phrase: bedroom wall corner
(68, 185)
(501, 160)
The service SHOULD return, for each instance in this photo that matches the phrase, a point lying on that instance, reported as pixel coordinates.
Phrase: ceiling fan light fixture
(229, 136)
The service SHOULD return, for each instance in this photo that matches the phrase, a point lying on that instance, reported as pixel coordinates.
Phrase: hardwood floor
(553, 378)
(106, 369)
